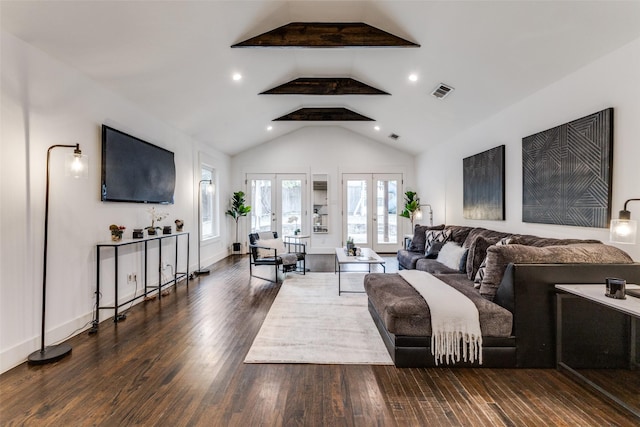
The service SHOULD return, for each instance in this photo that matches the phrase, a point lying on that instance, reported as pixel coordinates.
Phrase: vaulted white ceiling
(173, 59)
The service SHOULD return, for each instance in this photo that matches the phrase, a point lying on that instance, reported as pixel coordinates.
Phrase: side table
(629, 307)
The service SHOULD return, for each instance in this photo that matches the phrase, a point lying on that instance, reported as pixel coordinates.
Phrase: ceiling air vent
(394, 136)
(442, 91)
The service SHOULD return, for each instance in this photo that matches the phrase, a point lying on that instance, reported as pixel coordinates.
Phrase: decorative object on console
(138, 233)
(350, 245)
(76, 166)
(155, 216)
(624, 229)
(179, 225)
(116, 232)
(615, 288)
(166, 229)
(411, 206)
(418, 215)
(566, 173)
(237, 211)
(483, 188)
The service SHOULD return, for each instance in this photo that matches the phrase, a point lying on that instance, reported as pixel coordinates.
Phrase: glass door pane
(386, 218)
(371, 205)
(276, 203)
(261, 202)
(356, 203)
(291, 202)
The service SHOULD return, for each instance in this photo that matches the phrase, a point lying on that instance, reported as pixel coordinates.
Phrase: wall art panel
(566, 173)
(483, 192)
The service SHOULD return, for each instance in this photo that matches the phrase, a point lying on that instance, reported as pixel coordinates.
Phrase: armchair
(271, 251)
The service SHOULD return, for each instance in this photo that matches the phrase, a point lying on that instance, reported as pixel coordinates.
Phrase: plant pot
(236, 247)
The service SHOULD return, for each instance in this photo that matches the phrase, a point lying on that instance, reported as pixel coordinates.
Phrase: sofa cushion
(498, 257)
(459, 233)
(540, 242)
(407, 259)
(434, 267)
(404, 312)
(419, 237)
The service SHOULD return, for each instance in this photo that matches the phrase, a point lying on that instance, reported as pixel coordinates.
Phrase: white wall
(330, 150)
(611, 81)
(44, 102)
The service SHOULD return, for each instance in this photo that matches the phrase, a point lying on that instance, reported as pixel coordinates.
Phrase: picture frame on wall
(484, 185)
(567, 173)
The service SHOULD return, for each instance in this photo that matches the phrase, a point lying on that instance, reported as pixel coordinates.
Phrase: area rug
(309, 323)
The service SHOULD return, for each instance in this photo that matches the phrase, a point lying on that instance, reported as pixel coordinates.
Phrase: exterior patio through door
(370, 210)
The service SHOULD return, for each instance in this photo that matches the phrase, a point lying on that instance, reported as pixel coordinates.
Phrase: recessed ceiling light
(377, 128)
(413, 77)
(237, 76)
(269, 128)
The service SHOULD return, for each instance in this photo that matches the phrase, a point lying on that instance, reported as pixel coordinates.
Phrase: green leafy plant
(238, 210)
(411, 206)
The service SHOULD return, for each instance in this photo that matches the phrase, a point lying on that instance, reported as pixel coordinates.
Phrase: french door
(277, 202)
(370, 210)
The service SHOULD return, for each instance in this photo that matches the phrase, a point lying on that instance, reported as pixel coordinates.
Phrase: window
(209, 208)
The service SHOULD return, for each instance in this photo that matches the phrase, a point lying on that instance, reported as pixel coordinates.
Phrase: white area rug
(309, 323)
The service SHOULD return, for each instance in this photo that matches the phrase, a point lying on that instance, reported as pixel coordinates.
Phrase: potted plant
(155, 216)
(411, 206)
(116, 232)
(238, 209)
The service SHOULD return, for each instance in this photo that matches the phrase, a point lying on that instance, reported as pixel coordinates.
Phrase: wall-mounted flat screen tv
(134, 170)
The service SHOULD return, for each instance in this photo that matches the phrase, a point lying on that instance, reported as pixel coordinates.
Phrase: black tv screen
(134, 170)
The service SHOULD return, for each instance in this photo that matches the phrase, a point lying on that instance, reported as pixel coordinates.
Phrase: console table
(148, 289)
(595, 293)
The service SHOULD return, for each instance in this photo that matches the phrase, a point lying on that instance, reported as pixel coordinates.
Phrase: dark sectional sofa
(516, 299)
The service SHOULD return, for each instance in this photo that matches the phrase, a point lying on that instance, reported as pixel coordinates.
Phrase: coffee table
(367, 257)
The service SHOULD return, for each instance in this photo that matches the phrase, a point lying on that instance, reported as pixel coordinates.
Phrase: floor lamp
(201, 271)
(76, 166)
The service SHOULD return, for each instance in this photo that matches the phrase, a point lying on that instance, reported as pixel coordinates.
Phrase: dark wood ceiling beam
(326, 35)
(324, 86)
(324, 114)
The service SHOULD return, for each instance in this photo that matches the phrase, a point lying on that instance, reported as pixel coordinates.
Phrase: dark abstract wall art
(483, 192)
(566, 173)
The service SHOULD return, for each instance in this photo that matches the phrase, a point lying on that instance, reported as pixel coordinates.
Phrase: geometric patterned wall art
(483, 191)
(566, 173)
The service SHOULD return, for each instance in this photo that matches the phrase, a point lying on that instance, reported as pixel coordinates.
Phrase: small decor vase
(116, 237)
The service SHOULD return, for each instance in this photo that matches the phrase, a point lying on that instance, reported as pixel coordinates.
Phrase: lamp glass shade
(76, 165)
(418, 214)
(623, 231)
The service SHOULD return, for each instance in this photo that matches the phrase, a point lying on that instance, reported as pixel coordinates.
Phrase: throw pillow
(434, 250)
(418, 240)
(477, 253)
(276, 244)
(451, 254)
(483, 267)
(463, 261)
(436, 236)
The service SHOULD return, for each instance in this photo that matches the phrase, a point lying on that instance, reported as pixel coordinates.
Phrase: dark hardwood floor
(179, 362)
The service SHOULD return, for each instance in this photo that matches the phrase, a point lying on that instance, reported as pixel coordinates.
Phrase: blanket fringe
(450, 345)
